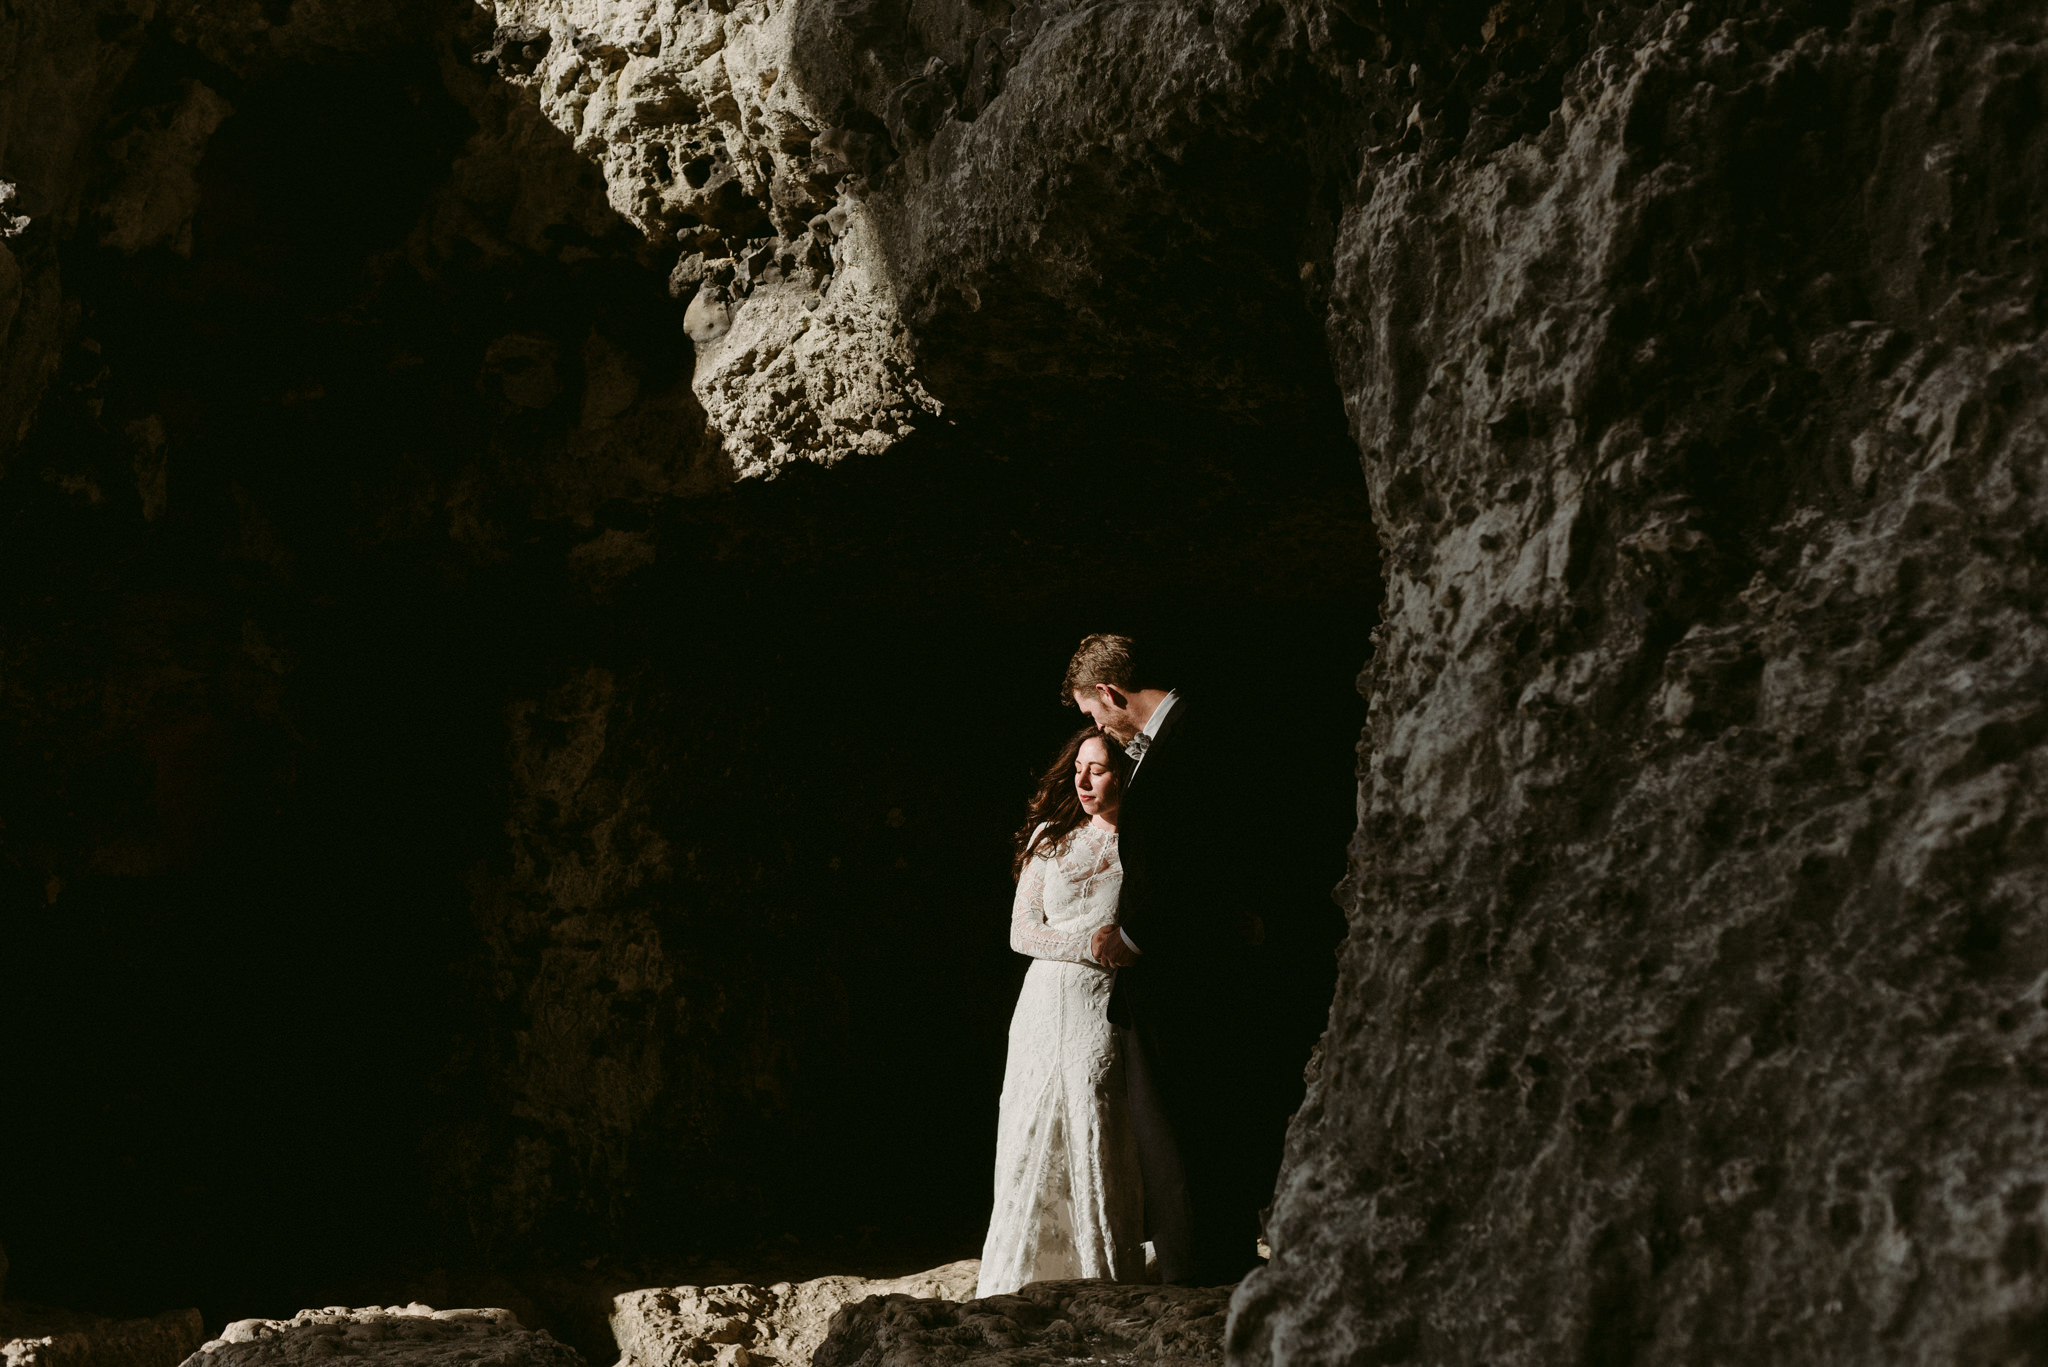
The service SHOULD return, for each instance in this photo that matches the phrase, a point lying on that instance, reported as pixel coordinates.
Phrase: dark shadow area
(828, 695)
(244, 750)
(855, 686)
(436, 868)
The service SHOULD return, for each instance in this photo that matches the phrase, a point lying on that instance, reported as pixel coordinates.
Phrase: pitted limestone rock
(948, 208)
(1693, 1009)
(759, 1326)
(704, 138)
(1043, 1324)
(400, 1336)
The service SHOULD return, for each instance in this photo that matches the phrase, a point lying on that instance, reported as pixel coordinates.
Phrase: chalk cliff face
(1691, 354)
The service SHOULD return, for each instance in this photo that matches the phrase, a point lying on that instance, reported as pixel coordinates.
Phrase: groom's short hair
(1102, 659)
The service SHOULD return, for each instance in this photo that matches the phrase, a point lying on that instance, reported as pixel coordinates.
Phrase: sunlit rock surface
(699, 118)
(402, 1336)
(769, 1326)
(886, 213)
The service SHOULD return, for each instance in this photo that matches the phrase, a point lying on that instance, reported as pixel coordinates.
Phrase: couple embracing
(1138, 1105)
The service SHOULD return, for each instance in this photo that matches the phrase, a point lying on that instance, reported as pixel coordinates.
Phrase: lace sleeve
(1029, 934)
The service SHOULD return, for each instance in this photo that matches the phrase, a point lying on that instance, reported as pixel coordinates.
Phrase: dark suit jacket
(1189, 876)
(1221, 898)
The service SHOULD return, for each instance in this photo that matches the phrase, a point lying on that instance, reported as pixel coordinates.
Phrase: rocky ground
(832, 1321)
(760, 1326)
(412, 1335)
(36, 1336)
(1046, 1322)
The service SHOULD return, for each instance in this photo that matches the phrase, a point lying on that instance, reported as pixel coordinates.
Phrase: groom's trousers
(1204, 1182)
(1169, 1218)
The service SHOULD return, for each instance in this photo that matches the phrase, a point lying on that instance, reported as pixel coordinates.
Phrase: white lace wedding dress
(1068, 1199)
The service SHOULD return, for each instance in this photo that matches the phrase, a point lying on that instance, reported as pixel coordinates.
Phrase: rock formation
(801, 352)
(1694, 355)
(1693, 1008)
(403, 1336)
(34, 1336)
(884, 233)
(759, 1326)
(1045, 1323)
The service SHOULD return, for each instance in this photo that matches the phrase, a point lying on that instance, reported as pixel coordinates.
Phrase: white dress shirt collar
(1141, 744)
(1158, 717)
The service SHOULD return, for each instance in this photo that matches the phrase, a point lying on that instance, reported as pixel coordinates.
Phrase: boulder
(32, 1336)
(748, 1326)
(413, 1335)
(1046, 1322)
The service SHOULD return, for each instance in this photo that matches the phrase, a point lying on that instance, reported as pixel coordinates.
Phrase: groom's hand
(1108, 949)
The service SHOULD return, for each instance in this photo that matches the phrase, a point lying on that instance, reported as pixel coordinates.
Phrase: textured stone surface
(1693, 1006)
(32, 1336)
(1693, 355)
(801, 353)
(414, 1335)
(777, 1326)
(885, 214)
(1046, 1322)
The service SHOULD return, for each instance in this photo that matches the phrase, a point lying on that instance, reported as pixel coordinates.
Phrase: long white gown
(1068, 1200)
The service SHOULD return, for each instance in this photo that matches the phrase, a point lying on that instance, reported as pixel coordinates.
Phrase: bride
(1068, 1202)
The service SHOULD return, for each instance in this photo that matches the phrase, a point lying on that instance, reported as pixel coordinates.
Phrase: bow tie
(1136, 747)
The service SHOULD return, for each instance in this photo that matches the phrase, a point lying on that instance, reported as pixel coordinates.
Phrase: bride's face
(1095, 781)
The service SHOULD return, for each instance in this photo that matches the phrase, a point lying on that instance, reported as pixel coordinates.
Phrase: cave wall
(1693, 1004)
(1692, 1001)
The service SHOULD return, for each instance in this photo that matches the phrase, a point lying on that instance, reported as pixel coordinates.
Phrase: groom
(1184, 1002)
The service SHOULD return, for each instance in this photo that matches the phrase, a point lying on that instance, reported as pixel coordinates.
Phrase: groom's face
(1109, 709)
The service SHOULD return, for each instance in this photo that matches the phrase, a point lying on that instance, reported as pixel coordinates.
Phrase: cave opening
(450, 856)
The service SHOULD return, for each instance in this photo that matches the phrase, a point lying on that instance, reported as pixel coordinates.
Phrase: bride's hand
(1108, 949)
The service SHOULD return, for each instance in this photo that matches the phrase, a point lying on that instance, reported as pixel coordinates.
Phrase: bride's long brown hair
(1055, 812)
